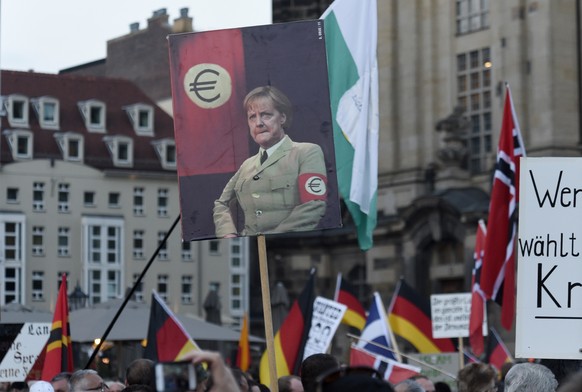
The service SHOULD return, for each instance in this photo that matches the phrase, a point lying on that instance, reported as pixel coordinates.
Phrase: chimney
(160, 17)
(134, 27)
(183, 24)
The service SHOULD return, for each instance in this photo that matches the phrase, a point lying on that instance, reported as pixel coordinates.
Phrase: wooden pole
(461, 354)
(267, 316)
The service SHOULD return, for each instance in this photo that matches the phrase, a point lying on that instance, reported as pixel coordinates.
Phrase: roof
(71, 89)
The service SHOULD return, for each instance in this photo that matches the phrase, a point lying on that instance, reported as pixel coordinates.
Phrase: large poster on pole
(253, 131)
(549, 272)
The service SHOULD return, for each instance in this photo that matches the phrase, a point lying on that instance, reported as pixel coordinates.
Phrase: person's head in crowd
(241, 379)
(572, 384)
(440, 386)
(408, 386)
(42, 386)
(348, 379)
(60, 382)
(315, 365)
(257, 387)
(290, 383)
(530, 377)
(424, 382)
(18, 386)
(477, 377)
(115, 386)
(86, 380)
(141, 371)
(138, 388)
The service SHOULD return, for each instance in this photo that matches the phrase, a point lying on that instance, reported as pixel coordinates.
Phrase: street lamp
(77, 299)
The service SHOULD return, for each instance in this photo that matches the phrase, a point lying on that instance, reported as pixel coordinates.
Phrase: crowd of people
(319, 373)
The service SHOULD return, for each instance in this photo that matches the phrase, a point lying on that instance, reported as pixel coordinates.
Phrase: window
(71, 145)
(12, 195)
(475, 97)
(113, 200)
(472, 15)
(238, 277)
(47, 111)
(63, 201)
(103, 256)
(121, 150)
(12, 229)
(141, 117)
(138, 201)
(162, 202)
(138, 243)
(17, 109)
(138, 293)
(166, 150)
(89, 199)
(186, 296)
(63, 249)
(213, 246)
(93, 113)
(163, 287)
(37, 240)
(20, 142)
(38, 196)
(37, 285)
(236, 290)
(163, 254)
(186, 251)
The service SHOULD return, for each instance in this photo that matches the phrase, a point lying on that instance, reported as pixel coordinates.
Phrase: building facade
(88, 187)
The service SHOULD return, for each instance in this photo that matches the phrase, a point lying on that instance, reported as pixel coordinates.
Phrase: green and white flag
(351, 34)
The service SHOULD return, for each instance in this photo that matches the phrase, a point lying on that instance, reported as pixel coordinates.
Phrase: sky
(50, 35)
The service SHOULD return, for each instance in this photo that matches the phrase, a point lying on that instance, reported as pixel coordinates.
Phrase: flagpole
(128, 296)
(267, 316)
(461, 354)
(428, 365)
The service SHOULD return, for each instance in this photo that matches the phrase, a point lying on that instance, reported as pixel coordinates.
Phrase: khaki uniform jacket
(269, 194)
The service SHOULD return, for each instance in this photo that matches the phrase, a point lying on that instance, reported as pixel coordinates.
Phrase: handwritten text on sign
(450, 315)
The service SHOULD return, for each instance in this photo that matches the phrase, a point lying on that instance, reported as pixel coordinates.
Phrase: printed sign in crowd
(20, 346)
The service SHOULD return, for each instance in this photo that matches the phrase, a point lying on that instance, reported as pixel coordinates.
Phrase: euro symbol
(315, 185)
(198, 85)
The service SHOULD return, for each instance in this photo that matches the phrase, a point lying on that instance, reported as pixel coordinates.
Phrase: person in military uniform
(284, 186)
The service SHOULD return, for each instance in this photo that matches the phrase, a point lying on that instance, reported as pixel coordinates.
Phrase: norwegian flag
(393, 371)
(498, 275)
(478, 298)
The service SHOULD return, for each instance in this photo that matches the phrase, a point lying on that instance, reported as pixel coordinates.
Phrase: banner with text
(450, 315)
(327, 315)
(549, 280)
(20, 346)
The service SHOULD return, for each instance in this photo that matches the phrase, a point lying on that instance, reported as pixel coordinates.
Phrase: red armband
(312, 186)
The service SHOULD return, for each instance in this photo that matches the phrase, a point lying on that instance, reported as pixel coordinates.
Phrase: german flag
(497, 354)
(58, 353)
(167, 339)
(243, 355)
(410, 318)
(345, 293)
(292, 335)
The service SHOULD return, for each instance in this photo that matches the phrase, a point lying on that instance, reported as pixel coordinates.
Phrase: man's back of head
(530, 377)
(408, 386)
(140, 371)
(313, 366)
(290, 383)
(85, 380)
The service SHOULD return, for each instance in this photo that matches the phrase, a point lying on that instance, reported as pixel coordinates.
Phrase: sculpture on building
(454, 127)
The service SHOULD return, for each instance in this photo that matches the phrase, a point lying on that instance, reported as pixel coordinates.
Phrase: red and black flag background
(167, 340)
(497, 354)
(58, 355)
(410, 318)
(290, 340)
(345, 293)
(211, 73)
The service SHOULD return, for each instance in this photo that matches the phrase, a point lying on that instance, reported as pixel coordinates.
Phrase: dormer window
(93, 113)
(121, 150)
(166, 150)
(20, 142)
(142, 118)
(16, 106)
(47, 110)
(71, 145)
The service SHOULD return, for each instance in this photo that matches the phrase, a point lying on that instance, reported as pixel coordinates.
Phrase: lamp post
(77, 299)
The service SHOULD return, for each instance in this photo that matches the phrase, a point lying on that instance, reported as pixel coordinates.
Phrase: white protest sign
(549, 255)
(327, 315)
(450, 315)
(22, 344)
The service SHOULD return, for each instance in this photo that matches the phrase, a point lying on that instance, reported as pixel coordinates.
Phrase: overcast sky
(49, 35)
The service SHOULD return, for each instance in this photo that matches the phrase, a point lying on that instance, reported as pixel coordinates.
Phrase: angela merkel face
(265, 122)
